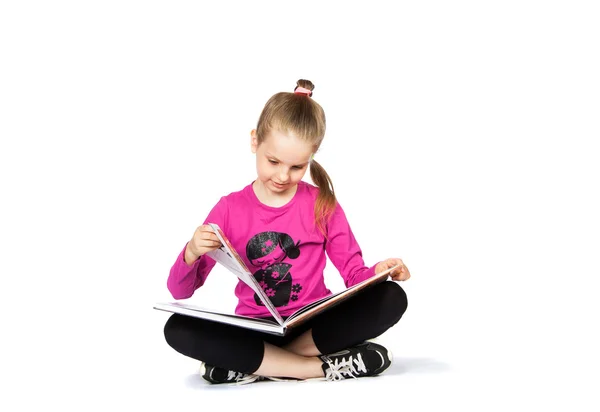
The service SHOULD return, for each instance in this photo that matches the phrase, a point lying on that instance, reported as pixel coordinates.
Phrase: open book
(228, 257)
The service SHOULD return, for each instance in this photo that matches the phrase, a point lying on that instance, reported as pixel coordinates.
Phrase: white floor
(467, 365)
(431, 371)
(418, 380)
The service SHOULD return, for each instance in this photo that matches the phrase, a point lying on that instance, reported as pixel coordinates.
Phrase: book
(227, 256)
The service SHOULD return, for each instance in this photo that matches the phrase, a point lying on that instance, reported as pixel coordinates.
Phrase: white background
(462, 137)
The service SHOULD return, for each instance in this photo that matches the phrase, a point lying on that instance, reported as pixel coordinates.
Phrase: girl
(286, 226)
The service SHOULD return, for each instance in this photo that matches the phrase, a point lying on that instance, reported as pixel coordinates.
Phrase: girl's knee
(175, 331)
(393, 297)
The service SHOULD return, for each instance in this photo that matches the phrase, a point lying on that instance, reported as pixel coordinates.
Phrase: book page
(187, 309)
(320, 305)
(228, 257)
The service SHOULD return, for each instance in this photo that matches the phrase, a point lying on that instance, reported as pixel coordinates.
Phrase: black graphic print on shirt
(267, 251)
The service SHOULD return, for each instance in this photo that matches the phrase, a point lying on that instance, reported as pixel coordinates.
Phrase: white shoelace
(349, 367)
(241, 378)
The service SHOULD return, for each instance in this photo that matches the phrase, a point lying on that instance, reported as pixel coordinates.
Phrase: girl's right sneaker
(365, 359)
(214, 374)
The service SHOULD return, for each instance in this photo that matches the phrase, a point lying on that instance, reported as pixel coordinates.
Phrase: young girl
(286, 226)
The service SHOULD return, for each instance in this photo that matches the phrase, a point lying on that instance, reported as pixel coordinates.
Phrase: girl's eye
(273, 162)
(297, 167)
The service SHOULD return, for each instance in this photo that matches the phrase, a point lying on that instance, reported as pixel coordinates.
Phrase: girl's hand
(204, 240)
(400, 273)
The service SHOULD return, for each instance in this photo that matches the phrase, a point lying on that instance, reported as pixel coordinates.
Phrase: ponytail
(326, 202)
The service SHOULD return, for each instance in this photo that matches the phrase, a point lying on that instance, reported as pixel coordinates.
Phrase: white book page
(228, 257)
(264, 325)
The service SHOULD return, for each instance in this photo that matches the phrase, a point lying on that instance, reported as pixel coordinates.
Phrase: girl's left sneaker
(365, 359)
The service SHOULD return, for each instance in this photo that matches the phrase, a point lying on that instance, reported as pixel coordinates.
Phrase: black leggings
(361, 317)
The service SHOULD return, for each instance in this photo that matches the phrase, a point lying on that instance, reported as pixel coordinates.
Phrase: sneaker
(365, 359)
(214, 374)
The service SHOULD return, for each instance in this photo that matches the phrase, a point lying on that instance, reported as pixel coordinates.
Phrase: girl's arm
(343, 250)
(185, 278)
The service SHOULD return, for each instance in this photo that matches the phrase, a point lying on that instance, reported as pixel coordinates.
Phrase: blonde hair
(299, 114)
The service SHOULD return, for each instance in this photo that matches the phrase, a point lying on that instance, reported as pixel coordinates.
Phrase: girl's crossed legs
(361, 317)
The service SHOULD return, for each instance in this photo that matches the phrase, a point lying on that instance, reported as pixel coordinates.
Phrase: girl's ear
(253, 141)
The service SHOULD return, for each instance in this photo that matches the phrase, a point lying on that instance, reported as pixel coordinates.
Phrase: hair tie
(302, 90)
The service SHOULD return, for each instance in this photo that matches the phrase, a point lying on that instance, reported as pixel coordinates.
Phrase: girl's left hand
(400, 273)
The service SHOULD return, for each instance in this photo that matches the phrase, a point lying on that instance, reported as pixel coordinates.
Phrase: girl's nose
(283, 176)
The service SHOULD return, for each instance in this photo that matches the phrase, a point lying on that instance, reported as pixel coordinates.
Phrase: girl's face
(281, 161)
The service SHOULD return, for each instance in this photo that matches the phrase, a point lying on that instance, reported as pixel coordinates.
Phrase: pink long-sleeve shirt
(283, 249)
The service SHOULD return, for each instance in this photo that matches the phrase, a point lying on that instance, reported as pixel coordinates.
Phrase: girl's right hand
(204, 240)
